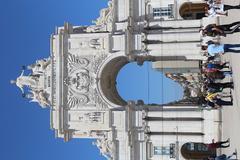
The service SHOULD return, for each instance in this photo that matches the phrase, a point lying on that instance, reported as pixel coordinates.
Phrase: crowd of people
(214, 70)
(214, 86)
(217, 82)
(216, 74)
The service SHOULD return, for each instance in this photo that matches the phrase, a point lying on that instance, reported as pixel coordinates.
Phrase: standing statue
(29, 81)
(106, 147)
(39, 67)
(33, 86)
(101, 24)
(39, 97)
(105, 15)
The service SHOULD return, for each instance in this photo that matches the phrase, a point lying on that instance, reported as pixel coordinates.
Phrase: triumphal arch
(78, 80)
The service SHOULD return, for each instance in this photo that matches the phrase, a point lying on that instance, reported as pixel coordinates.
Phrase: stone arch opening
(108, 80)
(189, 10)
(109, 70)
(147, 84)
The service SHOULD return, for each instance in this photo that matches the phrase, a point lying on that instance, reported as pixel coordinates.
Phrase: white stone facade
(81, 77)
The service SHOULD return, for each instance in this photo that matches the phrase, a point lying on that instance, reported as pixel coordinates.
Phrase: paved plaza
(231, 115)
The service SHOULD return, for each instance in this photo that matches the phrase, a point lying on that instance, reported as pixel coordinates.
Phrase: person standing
(217, 75)
(221, 103)
(213, 30)
(220, 144)
(218, 66)
(220, 86)
(216, 9)
(214, 49)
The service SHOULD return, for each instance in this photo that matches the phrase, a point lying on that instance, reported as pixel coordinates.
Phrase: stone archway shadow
(107, 80)
(107, 75)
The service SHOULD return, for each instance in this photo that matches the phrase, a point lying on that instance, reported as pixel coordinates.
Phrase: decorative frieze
(75, 62)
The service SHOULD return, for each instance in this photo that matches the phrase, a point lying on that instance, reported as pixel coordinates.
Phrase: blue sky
(26, 26)
(142, 82)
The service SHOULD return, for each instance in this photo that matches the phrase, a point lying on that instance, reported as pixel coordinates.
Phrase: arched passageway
(120, 81)
(189, 10)
(196, 151)
(108, 80)
(144, 83)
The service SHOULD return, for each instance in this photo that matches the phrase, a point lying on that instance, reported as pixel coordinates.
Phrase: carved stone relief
(97, 60)
(81, 81)
(86, 44)
(75, 62)
(76, 99)
(106, 147)
(78, 80)
(87, 117)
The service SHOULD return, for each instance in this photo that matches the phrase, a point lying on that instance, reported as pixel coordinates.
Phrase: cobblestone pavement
(231, 115)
